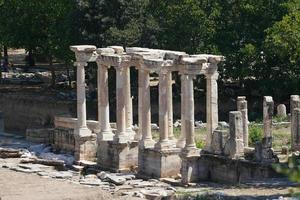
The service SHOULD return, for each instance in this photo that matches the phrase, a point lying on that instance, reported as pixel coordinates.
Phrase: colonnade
(147, 61)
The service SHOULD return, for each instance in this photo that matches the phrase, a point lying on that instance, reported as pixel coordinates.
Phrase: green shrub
(200, 144)
(255, 134)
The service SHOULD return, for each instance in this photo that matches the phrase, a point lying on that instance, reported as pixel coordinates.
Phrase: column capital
(213, 76)
(80, 64)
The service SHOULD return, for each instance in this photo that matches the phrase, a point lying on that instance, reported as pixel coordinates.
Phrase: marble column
(189, 117)
(128, 102)
(82, 130)
(170, 108)
(103, 104)
(145, 110)
(181, 141)
(243, 108)
(268, 109)
(121, 135)
(211, 107)
(163, 142)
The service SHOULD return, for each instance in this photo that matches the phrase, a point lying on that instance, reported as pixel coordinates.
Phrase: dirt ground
(20, 186)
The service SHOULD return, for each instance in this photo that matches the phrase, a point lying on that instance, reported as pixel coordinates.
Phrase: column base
(117, 157)
(163, 145)
(180, 143)
(85, 148)
(190, 166)
(83, 132)
(155, 163)
(190, 152)
(131, 133)
(122, 139)
(147, 143)
(105, 136)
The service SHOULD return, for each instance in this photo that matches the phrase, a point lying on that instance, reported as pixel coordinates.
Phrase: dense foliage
(260, 38)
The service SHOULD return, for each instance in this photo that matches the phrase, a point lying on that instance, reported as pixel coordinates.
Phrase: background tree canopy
(260, 38)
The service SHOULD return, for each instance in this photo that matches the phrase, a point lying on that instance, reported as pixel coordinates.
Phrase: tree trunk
(31, 61)
(5, 53)
(53, 76)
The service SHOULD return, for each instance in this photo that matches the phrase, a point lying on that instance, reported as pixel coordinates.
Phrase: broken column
(296, 129)
(234, 147)
(242, 107)
(170, 109)
(281, 111)
(84, 148)
(294, 104)
(263, 149)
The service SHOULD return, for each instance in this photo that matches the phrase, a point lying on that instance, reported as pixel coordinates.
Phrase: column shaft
(103, 104)
(145, 109)
(121, 111)
(211, 107)
(163, 112)
(189, 113)
(81, 99)
(128, 100)
(170, 106)
(181, 141)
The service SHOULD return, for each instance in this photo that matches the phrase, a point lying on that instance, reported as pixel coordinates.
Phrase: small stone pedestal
(85, 148)
(155, 163)
(189, 169)
(118, 157)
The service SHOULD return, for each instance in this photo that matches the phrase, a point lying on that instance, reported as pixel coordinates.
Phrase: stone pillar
(294, 103)
(128, 101)
(170, 107)
(82, 130)
(281, 110)
(234, 148)
(103, 104)
(145, 110)
(121, 135)
(189, 117)
(211, 107)
(242, 107)
(296, 129)
(163, 142)
(181, 141)
(268, 109)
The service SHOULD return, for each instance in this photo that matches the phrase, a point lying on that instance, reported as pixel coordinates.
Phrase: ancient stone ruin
(119, 146)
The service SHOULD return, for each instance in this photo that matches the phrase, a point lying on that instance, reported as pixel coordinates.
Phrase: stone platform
(155, 163)
(117, 157)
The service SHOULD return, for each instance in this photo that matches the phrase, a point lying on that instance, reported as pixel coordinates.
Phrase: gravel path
(20, 186)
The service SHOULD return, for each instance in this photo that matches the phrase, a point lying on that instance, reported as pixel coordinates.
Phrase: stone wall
(23, 111)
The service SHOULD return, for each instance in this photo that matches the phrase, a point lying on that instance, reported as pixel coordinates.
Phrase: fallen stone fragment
(56, 163)
(10, 153)
(116, 179)
(102, 175)
(171, 181)
(20, 169)
(43, 174)
(61, 175)
(92, 182)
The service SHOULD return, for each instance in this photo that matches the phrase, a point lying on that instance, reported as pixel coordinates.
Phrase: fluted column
(83, 131)
(163, 142)
(211, 107)
(145, 110)
(121, 134)
(103, 104)
(189, 117)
